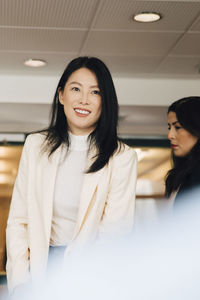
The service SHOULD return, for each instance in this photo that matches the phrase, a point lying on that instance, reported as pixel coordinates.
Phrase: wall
(131, 91)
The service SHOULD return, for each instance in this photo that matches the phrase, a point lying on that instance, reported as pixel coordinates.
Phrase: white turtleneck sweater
(67, 190)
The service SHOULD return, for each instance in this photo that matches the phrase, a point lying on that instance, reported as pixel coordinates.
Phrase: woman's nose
(84, 99)
(170, 134)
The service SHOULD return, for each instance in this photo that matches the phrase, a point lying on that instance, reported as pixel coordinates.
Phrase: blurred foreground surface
(155, 264)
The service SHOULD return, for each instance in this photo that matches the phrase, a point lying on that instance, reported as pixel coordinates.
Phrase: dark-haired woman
(184, 136)
(76, 180)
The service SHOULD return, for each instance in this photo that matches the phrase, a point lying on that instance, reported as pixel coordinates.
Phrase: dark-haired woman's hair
(188, 115)
(104, 137)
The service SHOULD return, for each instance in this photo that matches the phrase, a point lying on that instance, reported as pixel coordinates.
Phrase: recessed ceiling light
(147, 17)
(35, 63)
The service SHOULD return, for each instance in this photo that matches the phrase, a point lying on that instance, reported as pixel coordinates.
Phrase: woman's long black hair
(104, 137)
(188, 115)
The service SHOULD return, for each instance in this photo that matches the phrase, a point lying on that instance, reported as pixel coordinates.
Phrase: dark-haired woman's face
(182, 141)
(82, 101)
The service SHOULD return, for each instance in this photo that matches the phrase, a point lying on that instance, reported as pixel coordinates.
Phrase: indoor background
(153, 64)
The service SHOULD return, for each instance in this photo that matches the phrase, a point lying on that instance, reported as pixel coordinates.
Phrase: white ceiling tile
(66, 28)
(196, 26)
(189, 45)
(41, 40)
(117, 14)
(180, 65)
(47, 13)
(130, 43)
(128, 66)
(13, 63)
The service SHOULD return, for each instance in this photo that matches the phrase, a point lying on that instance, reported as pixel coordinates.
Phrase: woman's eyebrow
(75, 82)
(94, 86)
(174, 123)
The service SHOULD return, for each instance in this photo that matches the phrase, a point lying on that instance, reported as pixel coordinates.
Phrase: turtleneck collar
(78, 142)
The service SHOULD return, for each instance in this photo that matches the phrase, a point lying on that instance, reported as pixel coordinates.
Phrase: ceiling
(134, 120)
(59, 30)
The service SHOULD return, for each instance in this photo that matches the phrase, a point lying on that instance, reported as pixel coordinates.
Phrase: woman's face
(182, 141)
(82, 101)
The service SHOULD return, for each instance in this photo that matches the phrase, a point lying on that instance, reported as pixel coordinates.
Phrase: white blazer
(106, 207)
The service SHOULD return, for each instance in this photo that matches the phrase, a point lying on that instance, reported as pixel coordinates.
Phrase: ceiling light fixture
(147, 17)
(35, 63)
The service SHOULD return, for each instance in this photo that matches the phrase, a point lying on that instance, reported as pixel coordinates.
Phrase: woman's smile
(80, 112)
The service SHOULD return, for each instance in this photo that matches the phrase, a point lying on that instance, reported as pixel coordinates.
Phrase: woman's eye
(75, 89)
(177, 127)
(96, 92)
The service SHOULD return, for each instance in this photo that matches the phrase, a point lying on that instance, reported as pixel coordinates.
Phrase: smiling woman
(76, 180)
(82, 101)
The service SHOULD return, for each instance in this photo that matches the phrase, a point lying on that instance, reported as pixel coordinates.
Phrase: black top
(191, 182)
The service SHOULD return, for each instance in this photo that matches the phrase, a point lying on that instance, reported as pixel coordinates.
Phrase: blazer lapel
(48, 185)
(90, 182)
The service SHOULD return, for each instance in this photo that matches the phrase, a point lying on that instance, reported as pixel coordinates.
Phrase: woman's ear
(60, 96)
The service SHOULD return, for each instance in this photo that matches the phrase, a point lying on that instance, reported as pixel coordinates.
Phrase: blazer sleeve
(118, 216)
(17, 227)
